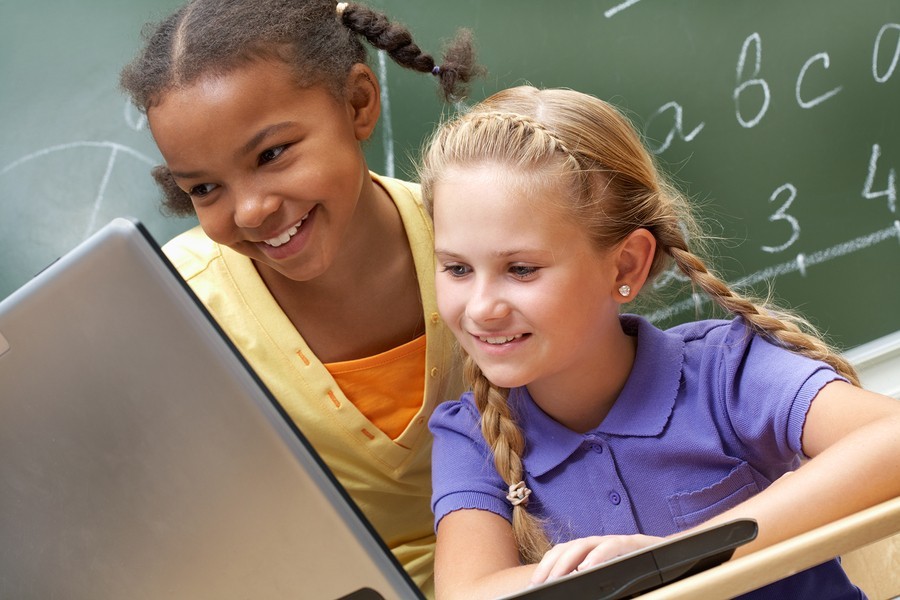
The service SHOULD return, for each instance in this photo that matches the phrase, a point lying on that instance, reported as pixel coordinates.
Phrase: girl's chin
(504, 378)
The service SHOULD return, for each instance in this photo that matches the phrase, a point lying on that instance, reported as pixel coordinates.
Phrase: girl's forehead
(257, 83)
(230, 115)
(490, 193)
(542, 190)
(492, 208)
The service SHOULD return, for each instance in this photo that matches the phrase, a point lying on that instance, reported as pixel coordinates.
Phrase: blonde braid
(783, 327)
(507, 444)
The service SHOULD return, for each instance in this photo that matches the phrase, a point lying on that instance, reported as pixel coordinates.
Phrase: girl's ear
(634, 257)
(363, 99)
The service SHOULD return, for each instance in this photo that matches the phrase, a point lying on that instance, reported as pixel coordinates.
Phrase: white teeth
(499, 340)
(285, 237)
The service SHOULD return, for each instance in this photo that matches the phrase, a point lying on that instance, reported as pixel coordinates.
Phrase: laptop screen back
(142, 458)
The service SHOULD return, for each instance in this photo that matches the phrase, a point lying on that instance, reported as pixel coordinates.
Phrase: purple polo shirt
(711, 414)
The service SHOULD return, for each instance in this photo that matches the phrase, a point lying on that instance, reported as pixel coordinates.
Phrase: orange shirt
(386, 388)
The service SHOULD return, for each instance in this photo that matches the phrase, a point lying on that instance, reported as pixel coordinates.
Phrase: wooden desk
(788, 557)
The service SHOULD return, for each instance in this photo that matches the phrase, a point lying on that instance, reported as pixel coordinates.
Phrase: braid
(507, 444)
(509, 138)
(454, 74)
(394, 39)
(524, 126)
(782, 327)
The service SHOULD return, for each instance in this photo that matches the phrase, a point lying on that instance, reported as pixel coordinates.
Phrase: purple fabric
(710, 415)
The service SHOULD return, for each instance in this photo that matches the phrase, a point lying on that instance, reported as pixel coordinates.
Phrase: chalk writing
(802, 261)
(754, 40)
(748, 77)
(677, 127)
(823, 57)
(749, 66)
(800, 264)
(619, 8)
(137, 122)
(881, 78)
(890, 192)
(114, 148)
(781, 215)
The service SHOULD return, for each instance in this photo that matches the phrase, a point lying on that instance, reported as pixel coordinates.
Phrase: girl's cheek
(212, 223)
(449, 305)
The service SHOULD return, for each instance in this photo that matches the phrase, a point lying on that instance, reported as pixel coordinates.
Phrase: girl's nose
(486, 303)
(252, 208)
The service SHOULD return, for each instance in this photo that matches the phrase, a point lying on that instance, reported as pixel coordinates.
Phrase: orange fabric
(386, 388)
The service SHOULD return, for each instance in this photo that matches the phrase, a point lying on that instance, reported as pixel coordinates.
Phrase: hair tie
(436, 70)
(340, 8)
(518, 494)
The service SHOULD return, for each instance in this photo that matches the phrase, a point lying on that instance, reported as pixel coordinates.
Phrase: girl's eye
(522, 271)
(271, 154)
(198, 191)
(456, 270)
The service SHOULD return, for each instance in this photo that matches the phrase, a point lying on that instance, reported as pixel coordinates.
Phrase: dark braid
(454, 74)
(215, 36)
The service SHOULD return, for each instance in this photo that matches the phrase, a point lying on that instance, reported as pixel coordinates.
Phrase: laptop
(141, 457)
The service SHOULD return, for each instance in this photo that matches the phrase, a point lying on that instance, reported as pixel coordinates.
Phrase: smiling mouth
(499, 340)
(285, 237)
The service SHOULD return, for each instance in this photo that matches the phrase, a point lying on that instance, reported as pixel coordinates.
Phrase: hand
(584, 553)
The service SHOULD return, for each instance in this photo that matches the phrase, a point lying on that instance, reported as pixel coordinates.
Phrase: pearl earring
(625, 290)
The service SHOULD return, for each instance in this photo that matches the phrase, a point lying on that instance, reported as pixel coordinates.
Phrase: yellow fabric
(389, 479)
(386, 388)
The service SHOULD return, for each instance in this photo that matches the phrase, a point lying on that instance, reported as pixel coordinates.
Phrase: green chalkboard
(782, 120)
(73, 153)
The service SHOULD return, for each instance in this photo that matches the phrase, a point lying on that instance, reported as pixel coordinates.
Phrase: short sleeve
(768, 392)
(463, 472)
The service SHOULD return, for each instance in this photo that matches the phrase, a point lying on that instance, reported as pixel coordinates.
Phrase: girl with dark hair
(320, 271)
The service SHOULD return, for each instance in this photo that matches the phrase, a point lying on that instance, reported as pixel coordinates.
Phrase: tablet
(649, 568)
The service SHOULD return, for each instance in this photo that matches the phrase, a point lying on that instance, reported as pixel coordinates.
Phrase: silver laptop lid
(140, 457)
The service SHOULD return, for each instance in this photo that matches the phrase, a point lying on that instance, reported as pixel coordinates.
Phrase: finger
(615, 546)
(557, 560)
(540, 573)
(568, 561)
(600, 554)
(572, 554)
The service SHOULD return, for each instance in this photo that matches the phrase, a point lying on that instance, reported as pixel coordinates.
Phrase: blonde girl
(587, 432)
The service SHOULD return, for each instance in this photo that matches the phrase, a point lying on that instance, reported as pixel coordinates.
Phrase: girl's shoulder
(407, 197)
(734, 342)
(713, 330)
(461, 416)
(191, 252)
(400, 191)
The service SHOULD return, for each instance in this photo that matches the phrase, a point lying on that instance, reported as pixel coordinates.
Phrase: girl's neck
(582, 402)
(342, 313)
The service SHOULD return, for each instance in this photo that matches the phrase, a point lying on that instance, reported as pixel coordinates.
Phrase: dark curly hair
(318, 41)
